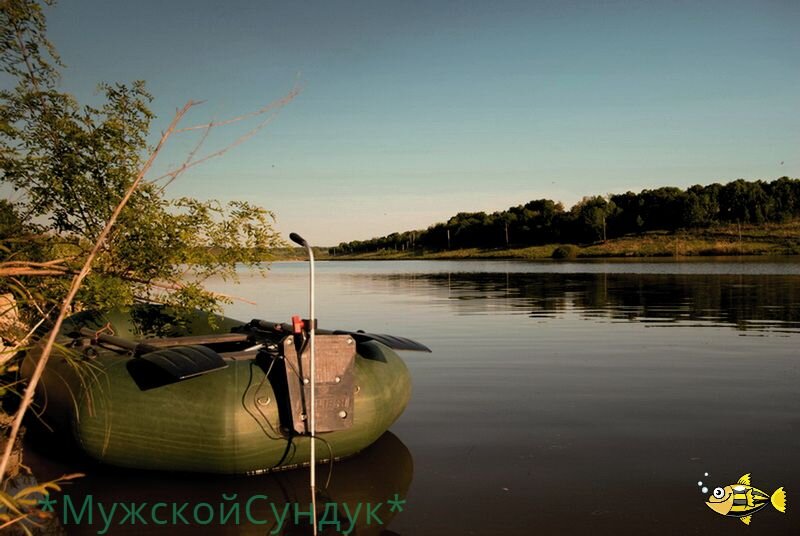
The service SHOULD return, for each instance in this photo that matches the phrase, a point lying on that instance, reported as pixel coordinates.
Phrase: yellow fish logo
(743, 500)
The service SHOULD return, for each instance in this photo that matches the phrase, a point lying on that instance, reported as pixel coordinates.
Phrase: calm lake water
(560, 398)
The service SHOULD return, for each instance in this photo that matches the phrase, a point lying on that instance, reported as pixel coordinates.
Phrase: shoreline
(724, 241)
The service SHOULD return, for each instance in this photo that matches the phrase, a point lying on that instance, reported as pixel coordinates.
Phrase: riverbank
(734, 240)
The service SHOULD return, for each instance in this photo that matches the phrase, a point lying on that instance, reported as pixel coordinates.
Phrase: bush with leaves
(86, 228)
(69, 166)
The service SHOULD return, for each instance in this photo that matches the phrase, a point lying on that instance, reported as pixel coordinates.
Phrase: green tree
(785, 195)
(593, 213)
(70, 166)
(700, 206)
(87, 228)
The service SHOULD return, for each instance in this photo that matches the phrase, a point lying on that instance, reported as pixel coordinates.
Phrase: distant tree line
(597, 218)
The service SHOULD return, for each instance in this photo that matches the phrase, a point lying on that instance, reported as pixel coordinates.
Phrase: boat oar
(156, 365)
(136, 348)
(392, 341)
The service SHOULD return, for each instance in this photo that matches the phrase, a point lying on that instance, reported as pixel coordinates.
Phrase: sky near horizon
(412, 111)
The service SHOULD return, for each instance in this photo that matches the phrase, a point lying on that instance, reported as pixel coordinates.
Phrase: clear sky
(412, 111)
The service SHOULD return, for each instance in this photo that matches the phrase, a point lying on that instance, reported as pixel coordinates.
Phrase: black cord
(244, 402)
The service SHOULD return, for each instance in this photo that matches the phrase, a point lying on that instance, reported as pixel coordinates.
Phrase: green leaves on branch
(70, 165)
(166, 250)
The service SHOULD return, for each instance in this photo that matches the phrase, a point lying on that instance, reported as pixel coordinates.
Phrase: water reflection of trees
(376, 474)
(748, 302)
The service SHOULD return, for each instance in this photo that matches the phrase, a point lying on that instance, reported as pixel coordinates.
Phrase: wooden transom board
(335, 378)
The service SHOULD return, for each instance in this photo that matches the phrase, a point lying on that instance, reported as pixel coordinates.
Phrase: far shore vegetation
(737, 218)
(767, 239)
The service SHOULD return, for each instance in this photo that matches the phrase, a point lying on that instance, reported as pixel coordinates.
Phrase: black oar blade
(172, 365)
(392, 341)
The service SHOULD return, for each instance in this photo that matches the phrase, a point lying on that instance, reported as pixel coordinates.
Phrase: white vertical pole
(313, 415)
(313, 380)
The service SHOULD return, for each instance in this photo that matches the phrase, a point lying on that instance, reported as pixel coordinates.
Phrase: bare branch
(33, 301)
(274, 105)
(33, 264)
(190, 162)
(73, 290)
(164, 285)
(15, 268)
(14, 521)
(8, 355)
(172, 175)
(7, 272)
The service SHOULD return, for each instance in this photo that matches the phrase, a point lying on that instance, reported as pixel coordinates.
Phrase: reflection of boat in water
(224, 399)
(384, 469)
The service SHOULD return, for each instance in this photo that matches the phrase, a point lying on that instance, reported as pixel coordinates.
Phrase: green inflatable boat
(213, 394)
